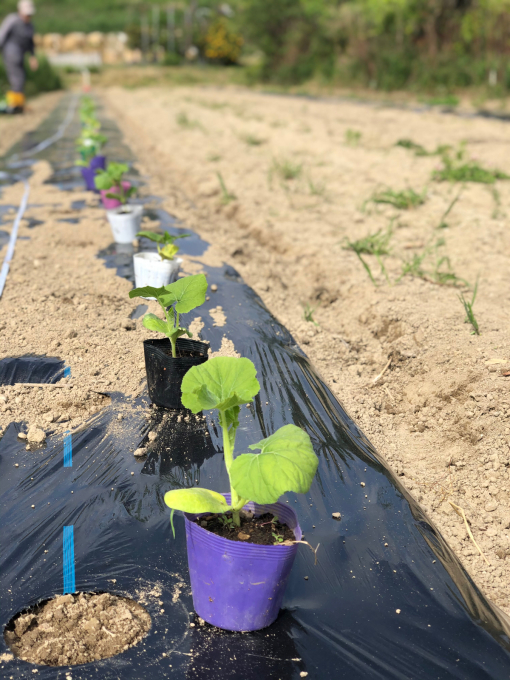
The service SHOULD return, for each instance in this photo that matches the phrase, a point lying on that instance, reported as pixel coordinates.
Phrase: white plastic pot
(151, 270)
(125, 222)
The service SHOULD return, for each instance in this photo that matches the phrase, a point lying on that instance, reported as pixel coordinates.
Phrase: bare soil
(439, 410)
(76, 629)
(262, 530)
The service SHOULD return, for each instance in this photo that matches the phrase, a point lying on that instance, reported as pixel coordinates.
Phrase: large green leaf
(196, 501)
(163, 237)
(187, 293)
(287, 462)
(154, 323)
(223, 383)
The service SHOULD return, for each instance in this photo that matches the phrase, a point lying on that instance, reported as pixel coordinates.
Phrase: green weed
(456, 169)
(308, 313)
(403, 200)
(444, 100)
(352, 137)
(374, 244)
(497, 203)
(468, 308)
(214, 157)
(252, 140)
(442, 223)
(287, 169)
(316, 188)
(226, 196)
(420, 150)
(441, 272)
(185, 122)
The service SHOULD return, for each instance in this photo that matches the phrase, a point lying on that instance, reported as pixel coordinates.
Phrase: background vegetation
(432, 45)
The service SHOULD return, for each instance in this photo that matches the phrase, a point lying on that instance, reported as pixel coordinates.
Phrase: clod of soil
(76, 629)
(262, 530)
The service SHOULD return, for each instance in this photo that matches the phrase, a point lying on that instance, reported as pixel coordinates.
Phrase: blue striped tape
(69, 584)
(68, 450)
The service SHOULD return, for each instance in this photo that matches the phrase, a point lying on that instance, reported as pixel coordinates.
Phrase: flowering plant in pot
(124, 219)
(89, 145)
(161, 268)
(168, 359)
(237, 581)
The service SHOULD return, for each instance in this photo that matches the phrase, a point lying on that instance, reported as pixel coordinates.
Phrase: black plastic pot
(165, 374)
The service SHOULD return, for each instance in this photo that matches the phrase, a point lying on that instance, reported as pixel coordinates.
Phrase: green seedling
(226, 196)
(316, 188)
(252, 140)
(419, 150)
(277, 538)
(167, 249)
(113, 177)
(442, 223)
(286, 461)
(89, 144)
(403, 200)
(227, 522)
(352, 137)
(468, 308)
(442, 273)
(308, 313)
(174, 299)
(456, 169)
(374, 244)
(185, 122)
(286, 169)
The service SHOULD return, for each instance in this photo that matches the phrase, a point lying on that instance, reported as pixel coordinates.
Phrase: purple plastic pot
(96, 163)
(112, 203)
(239, 586)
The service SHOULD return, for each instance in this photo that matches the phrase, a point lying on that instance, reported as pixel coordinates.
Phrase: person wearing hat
(16, 40)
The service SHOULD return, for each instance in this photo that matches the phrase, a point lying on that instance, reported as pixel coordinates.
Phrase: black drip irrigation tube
(387, 598)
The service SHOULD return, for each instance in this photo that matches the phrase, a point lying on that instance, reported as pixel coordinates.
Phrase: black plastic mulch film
(342, 622)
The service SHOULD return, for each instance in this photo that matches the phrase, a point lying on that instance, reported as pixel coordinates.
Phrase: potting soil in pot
(76, 629)
(388, 599)
(262, 530)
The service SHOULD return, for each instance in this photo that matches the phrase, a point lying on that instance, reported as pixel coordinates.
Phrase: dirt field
(440, 412)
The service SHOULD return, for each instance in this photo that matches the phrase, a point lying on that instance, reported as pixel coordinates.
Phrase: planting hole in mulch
(262, 530)
(76, 629)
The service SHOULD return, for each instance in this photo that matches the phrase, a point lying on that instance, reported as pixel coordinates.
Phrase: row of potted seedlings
(108, 179)
(242, 543)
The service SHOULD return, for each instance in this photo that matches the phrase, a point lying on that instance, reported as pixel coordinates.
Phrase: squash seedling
(112, 178)
(176, 298)
(167, 249)
(286, 461)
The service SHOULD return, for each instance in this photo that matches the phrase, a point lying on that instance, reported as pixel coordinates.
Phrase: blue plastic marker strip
(68, 450)
(67, 371)
(69, 585)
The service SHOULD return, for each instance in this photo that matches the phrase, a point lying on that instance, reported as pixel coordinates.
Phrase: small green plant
(308, 313)
(496, 213)
(286, 169)
(374, 244)
(89, 144)
(167, 249)
(226, 196)
(112, 178)
(403, 200)
(442, 100)
(214, 157)
(185, 122)
(316, 188)
(286, 461)
(278, 538)
(441, 274)
(174, 299)
(468, 308)
(352, 137)
(227, 522)
(443, 224)
(457, 169)
(419, 150)
(251, 140)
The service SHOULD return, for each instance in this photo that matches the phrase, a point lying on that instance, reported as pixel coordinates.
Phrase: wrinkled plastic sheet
(341, 622)
(31, 369)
